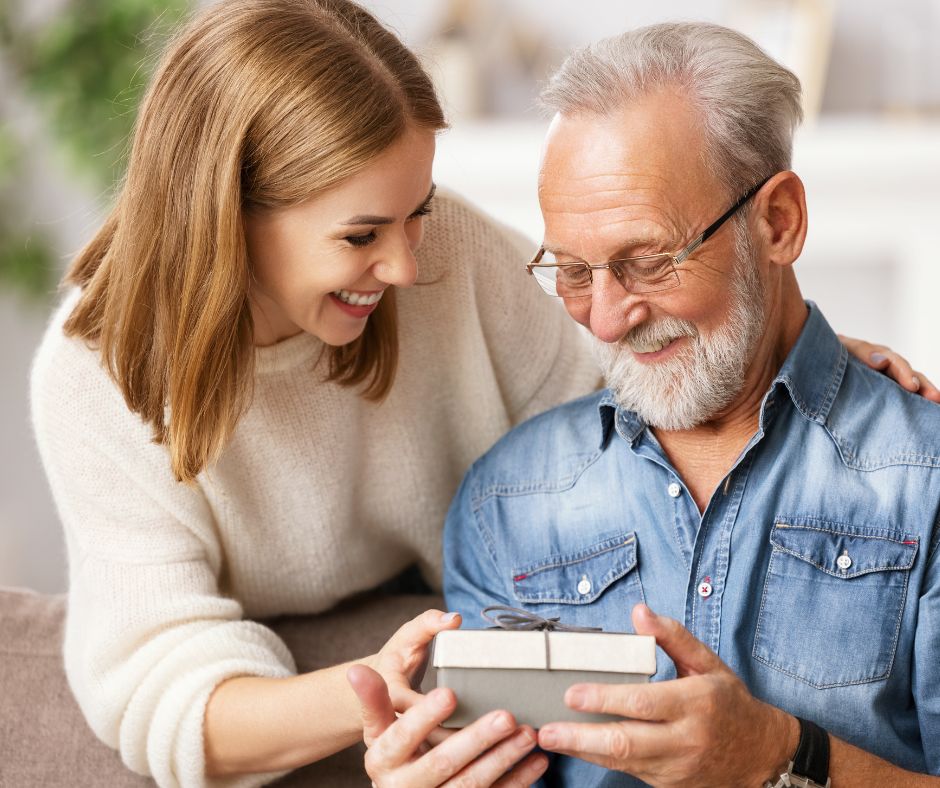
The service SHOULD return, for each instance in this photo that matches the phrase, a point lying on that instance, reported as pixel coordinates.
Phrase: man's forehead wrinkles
(599, 184)
(613, 233)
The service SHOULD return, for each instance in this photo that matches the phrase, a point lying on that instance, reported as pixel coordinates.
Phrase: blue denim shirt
(819, 548)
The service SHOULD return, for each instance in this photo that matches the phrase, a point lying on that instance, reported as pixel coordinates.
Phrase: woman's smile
(356, 304)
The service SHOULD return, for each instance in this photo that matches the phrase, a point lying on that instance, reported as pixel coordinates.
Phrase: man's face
(633, 183)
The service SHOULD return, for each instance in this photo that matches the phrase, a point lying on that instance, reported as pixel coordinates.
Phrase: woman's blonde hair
(257, 104)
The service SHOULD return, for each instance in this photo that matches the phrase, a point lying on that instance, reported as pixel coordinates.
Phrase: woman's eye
(361, 240)
(424, 210)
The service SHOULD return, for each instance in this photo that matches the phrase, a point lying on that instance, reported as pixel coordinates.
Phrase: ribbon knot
(513, 618)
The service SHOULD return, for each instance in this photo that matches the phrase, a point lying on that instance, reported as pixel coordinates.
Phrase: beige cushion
(45, 741)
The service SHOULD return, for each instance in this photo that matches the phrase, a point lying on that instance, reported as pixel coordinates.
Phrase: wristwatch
(809, 767)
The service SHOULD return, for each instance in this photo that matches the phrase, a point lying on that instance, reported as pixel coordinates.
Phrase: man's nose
(614, 311)
(398, 265)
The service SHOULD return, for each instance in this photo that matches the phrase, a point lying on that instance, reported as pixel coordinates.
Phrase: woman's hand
(893, 365)
(493, 751)
(402, 660)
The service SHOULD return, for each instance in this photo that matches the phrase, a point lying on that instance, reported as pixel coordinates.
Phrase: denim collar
(813, 371)
(811, 375)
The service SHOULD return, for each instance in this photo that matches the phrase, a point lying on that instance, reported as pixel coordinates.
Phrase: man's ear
(780, 213)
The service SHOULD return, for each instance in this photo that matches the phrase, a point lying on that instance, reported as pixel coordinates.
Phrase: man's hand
(702, 729)
(492, 751)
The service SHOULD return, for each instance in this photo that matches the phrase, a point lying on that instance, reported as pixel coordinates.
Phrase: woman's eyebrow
(371, 219)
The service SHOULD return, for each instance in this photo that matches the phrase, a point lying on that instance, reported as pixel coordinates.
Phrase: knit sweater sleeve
(541, 357)
(149, 633)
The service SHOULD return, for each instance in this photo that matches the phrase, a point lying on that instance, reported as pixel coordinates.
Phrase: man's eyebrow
(621, 251)
(371, 219)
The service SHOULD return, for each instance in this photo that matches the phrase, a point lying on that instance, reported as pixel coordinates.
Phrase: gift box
(527, 668)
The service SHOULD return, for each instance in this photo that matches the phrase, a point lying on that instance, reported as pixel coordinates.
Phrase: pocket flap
(576, 578)
(844, 553)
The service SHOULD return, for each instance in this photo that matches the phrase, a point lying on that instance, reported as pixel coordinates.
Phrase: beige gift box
(528, 672)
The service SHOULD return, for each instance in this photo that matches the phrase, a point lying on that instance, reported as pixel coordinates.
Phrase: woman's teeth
(358, 299)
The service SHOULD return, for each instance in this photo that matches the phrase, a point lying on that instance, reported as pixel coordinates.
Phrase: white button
(704, 589)
(843, 561)
(674, 490)
(584, 587)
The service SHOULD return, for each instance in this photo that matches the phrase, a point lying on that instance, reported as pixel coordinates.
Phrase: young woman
(243, 407)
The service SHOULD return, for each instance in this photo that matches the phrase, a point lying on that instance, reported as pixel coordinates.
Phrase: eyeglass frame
(677, 258)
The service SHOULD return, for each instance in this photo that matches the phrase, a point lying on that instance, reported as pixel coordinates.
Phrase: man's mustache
(661, 332)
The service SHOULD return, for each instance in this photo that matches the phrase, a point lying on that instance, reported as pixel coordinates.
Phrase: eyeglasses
(649, 273)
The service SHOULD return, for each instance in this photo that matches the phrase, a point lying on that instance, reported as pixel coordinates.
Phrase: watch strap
(811, 759)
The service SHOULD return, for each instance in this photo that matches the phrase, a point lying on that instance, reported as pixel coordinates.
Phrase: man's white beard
(700, 380)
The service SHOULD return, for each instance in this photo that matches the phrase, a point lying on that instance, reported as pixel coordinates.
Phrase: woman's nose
(398, 266)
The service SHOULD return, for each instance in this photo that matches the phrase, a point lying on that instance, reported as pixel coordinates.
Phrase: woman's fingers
(403, 697)
(441, 734)
(401, 742)
(499, 764)
(407, 649)
(422, 629)
(893, 364)
(469, 746)
(927, 389)
(377, 711)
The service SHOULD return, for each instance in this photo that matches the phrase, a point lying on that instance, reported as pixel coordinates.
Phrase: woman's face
(323, 265)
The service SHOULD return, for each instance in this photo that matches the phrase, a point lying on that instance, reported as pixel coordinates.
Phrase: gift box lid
(615, 652)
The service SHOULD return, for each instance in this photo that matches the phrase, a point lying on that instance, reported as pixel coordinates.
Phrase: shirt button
(584, 587)
(704, 589)
(674, 490)
(843, 561)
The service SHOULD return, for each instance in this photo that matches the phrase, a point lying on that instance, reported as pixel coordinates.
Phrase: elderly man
(773, 501)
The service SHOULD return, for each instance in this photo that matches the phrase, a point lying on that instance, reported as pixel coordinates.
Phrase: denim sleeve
(926, 673)
(473, 578)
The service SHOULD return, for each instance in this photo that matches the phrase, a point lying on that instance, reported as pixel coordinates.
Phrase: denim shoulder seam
(502, 490)
(850, 458)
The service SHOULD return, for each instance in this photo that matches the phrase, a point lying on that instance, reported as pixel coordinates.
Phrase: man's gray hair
(749, 103)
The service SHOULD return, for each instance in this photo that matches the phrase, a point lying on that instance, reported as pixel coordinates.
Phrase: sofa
(44, 740)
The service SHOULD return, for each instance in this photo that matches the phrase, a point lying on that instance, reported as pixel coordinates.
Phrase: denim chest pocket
(833, 600)
(606, 571)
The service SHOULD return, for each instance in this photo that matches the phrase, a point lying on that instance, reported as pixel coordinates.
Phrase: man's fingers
(401, 741)
(605, 744)
(377, 711)
(691, 656)
(498, 762)
(658, 702)
(526, 773)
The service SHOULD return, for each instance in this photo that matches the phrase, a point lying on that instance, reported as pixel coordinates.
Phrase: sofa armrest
(44, 739)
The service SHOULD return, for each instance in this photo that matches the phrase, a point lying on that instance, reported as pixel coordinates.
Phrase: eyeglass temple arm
(713, 227)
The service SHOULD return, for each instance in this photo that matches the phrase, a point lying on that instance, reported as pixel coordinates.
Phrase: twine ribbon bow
(513, 618)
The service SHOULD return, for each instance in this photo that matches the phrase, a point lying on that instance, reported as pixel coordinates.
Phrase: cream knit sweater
(318, 496)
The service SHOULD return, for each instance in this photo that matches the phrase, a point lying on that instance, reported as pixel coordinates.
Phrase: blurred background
(72, 72)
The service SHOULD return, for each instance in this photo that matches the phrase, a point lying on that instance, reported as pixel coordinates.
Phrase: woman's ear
(781, 218)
